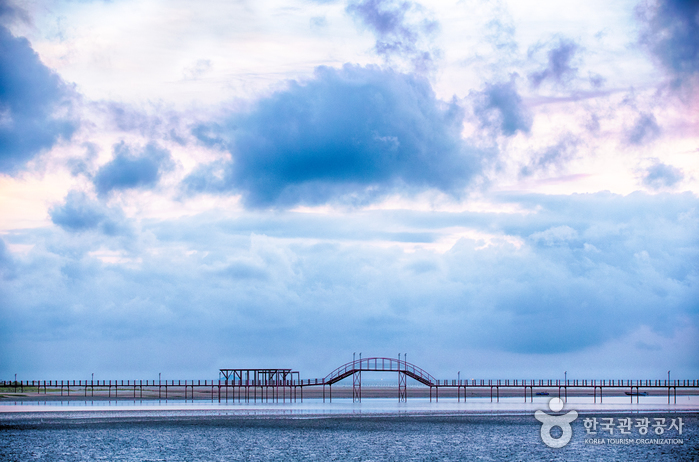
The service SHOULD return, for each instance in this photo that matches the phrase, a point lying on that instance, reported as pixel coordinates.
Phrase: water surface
(373, 430)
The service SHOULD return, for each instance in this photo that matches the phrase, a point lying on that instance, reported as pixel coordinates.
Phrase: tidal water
(257, 433)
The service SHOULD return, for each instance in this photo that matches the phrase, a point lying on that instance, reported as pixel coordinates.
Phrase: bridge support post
(357, 387)
(402, 387)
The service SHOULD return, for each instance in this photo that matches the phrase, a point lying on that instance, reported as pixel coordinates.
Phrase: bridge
(406, 370)
(355, 368)
(278, 384)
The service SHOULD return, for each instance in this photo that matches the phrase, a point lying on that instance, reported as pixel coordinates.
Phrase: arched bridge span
(380, 365)
(356, 367)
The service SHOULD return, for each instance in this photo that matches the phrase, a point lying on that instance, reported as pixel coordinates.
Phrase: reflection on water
(367, 406)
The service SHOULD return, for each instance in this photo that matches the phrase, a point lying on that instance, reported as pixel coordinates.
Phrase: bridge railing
(568, 383)
(368, 364)
(380, 365)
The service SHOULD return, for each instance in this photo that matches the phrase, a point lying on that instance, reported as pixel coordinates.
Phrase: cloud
(500, 32)
(558, 69)
(153, 121)
(82, 164)
(10, 12)
(552, 157)
(590, 268)
(596, 80)
(318, 22)
(133, 170)
(644, 130)
(661, 175)
(80, 213)
(670, 31)
(500, 106)
(195, 72)
(354, 134)
(7, 264)
(556, 235)
(401, 27)
(34, 104)
(130, 119)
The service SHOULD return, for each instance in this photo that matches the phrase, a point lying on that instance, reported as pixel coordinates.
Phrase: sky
(499, 189)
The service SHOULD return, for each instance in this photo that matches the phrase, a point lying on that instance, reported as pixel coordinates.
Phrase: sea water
(376, 429)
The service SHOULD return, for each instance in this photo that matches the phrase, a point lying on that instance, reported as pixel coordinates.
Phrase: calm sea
(234, 433)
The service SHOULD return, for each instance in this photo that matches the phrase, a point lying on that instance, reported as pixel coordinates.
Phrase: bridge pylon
(357, 387)
(402, 387)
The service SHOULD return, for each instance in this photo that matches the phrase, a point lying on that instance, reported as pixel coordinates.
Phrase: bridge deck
(276, 382)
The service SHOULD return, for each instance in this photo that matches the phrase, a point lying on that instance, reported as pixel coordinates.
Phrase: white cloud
(316, 282)
(555, 235)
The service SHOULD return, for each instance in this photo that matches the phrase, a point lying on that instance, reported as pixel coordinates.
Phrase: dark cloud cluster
(671, 33)
(499, 106)
(396, 35)
(354, 133)
(35, 104)
(131, 169)
(660, 175)
(558, 69)
(80, 213)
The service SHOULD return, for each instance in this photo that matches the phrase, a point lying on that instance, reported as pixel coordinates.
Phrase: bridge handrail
(400, 365)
